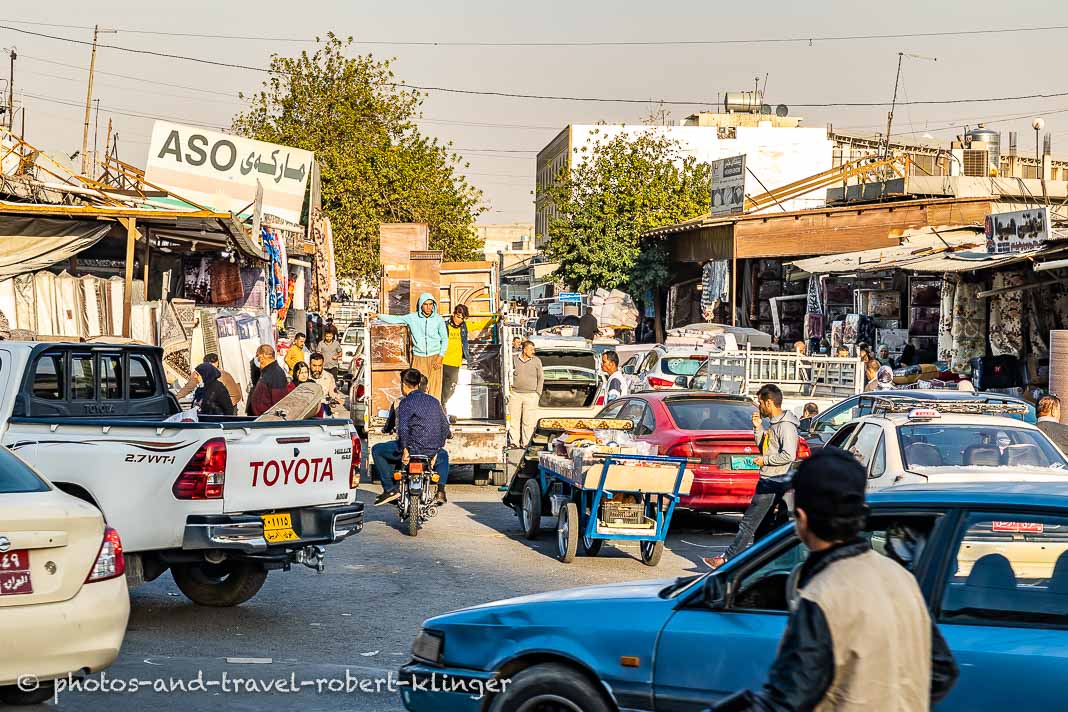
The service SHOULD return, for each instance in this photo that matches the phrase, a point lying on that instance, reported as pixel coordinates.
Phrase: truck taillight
(109, 563)
(660, 382)
(360, 390)
(354, 466)
(205, 475)
(600, 400)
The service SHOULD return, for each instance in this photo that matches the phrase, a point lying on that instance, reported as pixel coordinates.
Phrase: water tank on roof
(745, 102)
(992, 139)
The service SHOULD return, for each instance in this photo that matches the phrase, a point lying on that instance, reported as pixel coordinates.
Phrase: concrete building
(508, 244)
(778, 152)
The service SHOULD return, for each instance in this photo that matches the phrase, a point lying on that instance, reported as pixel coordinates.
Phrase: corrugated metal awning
(942, 249)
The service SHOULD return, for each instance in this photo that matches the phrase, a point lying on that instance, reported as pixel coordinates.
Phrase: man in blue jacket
(422, 430)
(429, 337)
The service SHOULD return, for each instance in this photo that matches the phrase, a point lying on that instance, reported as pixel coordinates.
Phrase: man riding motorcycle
(422, 429)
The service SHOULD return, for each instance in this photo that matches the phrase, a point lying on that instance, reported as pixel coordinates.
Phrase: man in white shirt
(618, 383)
(324, 378)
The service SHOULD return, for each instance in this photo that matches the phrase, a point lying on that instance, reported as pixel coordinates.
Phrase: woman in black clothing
(215, 399)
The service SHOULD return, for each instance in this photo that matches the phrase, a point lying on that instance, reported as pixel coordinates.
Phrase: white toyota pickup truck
(218, 502)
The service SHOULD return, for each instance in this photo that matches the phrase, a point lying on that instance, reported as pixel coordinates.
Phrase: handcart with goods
(599, 489)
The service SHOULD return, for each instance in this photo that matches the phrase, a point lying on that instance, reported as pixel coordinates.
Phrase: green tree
(621, 187)
(376, 165)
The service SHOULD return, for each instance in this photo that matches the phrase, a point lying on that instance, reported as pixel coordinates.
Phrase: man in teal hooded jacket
(429, 337)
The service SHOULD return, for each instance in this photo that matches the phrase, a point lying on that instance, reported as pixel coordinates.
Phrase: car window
(1008, 569)
(632, 411)
(648, 425)
(49, 382)
(16, 476)
(82, 380)
(900, 537)
(929, 445)
(111, 377)
(842, 436)
(863, 445)
(352, 338)
(878, 461)
(612, 409)
(684, 366)
(837, 416)
(711, 414)
(647, 364)
(142, 385)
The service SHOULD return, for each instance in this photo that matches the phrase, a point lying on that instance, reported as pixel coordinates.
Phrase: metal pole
(1038, 155)
(88, 102)
(893, 103)
(96, 132)
(11, 94)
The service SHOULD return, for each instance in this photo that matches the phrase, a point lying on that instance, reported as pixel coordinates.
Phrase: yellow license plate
(278, 528)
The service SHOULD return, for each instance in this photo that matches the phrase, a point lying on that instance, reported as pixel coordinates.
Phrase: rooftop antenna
(893, 102)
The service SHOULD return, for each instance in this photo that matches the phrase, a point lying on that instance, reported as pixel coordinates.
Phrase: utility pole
(89, 98)
(11, 93)
(96, 132)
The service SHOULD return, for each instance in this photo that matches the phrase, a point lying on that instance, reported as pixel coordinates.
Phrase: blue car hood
(579, 623)
(603, 592)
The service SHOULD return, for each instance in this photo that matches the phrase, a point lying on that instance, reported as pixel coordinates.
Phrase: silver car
(667, 368)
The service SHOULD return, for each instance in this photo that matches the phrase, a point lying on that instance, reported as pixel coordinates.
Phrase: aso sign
(221, 171)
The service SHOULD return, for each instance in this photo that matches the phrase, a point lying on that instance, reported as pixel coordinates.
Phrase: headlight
(428, 646)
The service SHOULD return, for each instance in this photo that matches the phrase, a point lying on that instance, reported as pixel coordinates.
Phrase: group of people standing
(216, 392)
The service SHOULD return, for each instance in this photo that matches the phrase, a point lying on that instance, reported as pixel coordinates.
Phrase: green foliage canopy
(376, 165)
(620, 187)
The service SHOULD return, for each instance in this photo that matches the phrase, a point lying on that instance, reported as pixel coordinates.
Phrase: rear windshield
(684, 366)
(16, 476)
(352, 337)
(711, 414)
(931, 445)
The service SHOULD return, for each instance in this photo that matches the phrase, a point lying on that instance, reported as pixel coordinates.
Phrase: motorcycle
(417, 503)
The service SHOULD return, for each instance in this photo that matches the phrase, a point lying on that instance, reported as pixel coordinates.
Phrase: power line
(227, 94)
(589, 43)
(550, 97)
(128, 112)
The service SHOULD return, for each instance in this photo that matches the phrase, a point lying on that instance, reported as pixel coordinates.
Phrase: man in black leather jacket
(859, 635)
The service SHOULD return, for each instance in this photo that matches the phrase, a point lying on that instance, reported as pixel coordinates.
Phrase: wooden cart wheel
(567, 533)
(530, 509)
(651, 552)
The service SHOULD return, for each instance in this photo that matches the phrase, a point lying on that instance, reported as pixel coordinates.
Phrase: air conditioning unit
(976, 163)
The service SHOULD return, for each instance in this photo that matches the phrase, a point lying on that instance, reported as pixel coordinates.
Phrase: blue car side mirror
(716, 593)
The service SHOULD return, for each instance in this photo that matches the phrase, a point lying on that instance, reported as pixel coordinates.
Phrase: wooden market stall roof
(817, 231)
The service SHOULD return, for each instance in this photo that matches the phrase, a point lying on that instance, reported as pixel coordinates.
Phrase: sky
(499, 136)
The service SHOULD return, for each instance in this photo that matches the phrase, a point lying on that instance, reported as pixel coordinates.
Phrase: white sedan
(63, 597)
(916, 443)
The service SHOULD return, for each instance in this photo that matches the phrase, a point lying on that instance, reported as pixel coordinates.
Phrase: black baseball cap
(830, 487)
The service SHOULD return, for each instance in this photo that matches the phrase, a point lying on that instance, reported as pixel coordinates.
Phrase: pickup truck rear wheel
(222, 585)
(550, 687)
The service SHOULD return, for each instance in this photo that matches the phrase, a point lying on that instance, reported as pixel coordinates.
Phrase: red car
(716, 428)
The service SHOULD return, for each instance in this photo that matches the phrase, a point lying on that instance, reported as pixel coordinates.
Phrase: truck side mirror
(682, 381)
(628, 370)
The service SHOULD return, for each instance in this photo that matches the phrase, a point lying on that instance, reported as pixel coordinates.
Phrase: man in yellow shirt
(456, 352)
(295, 354)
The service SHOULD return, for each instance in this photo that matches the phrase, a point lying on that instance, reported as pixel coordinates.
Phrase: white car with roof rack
(949, 441)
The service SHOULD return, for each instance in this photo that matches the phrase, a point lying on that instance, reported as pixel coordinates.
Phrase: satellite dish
(782, 110)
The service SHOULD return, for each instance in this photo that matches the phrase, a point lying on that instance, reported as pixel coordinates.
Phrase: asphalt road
(356, 621)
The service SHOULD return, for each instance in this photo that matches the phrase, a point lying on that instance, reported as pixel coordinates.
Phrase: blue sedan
(991, 559)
